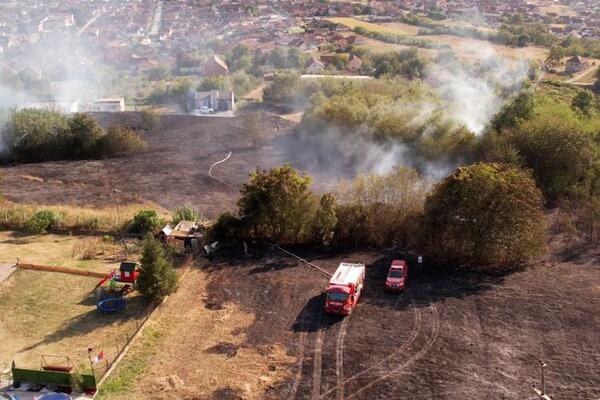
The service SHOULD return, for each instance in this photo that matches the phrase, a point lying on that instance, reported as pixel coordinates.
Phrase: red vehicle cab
(397, 275)
(345, 287)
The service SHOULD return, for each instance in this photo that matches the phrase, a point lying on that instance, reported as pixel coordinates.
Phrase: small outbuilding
(188, 235)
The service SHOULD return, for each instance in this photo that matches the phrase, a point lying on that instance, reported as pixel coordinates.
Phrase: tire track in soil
(411, 360)
(339, 356)
(301, 346)
(411, 339)
(318, 360)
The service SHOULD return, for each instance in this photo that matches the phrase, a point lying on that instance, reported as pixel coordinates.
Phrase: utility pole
(116, 192)
(542, 393)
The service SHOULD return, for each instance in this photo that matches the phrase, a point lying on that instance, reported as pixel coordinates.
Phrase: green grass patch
(132, 366)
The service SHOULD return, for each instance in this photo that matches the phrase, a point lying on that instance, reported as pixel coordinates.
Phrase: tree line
(35, 135)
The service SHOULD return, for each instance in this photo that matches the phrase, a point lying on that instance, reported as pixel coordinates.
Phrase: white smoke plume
(473, 92)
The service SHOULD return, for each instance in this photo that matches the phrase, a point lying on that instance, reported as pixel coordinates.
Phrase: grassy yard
(73, 251)
(54, 313)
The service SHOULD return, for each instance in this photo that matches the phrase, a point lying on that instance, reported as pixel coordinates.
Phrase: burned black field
(452, 335)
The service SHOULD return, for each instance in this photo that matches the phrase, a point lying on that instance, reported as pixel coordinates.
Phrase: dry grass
(53, 313)
(468, 49)
(396, 28)
(180, 357)
(14, 216)
(75, 251)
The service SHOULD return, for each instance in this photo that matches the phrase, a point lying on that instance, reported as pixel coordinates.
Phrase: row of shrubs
(139, 219)
(33, 135)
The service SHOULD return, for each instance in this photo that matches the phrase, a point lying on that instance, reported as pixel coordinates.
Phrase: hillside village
(142, 36)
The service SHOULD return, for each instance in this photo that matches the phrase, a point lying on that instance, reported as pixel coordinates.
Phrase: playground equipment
(111, 304)
(127, 274)
(53, 363)
(56, 373)
(120, 283)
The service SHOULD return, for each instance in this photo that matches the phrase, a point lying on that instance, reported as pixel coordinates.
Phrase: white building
(109, 104)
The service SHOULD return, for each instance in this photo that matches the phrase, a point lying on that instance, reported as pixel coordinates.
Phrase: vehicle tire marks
(411, 339)
(339, 355)
(411, 360)
(300, 364)
(318, 361)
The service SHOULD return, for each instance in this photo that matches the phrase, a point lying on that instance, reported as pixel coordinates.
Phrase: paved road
(6, 270)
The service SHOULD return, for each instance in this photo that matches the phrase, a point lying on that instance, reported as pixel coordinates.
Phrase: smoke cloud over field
(469, 95)
(474, 92)
(60, 70)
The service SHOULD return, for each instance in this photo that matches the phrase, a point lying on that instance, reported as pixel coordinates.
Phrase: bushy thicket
(484, 214)
(380, 210)
(388, 112)
(145, 221)
(33, 135)
(41, 222)
(240, 82)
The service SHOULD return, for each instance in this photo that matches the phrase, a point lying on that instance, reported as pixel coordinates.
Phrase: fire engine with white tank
(345, 288)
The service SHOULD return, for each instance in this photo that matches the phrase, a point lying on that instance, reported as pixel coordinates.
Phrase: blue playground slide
(111, 305)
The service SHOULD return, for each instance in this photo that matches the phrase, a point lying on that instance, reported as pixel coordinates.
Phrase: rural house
(111, 104)
(215, 66)
(315, 66)
(218, 100)
(575, 65)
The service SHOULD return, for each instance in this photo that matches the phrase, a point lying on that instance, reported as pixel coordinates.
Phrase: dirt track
(452, 335)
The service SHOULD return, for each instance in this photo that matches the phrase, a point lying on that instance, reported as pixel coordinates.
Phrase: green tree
(81, 138)
(585, 102)
(325, 219)
(215, 82)
(239, 59)
(284, 88)
(560, 152)
(515, 112)
(276, 204)
(487, 214)
(157, 277)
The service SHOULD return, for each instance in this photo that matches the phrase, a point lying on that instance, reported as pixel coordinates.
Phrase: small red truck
(345, 287)
(397, 275)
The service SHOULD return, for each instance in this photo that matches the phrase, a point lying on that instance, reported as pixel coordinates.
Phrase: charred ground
(453, 334)
(173, 169)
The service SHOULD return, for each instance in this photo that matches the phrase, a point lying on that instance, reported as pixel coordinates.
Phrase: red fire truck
(345, 287)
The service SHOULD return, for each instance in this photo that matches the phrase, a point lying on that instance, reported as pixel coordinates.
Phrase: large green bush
(484, 214)
(41, 222)
(145, 221)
